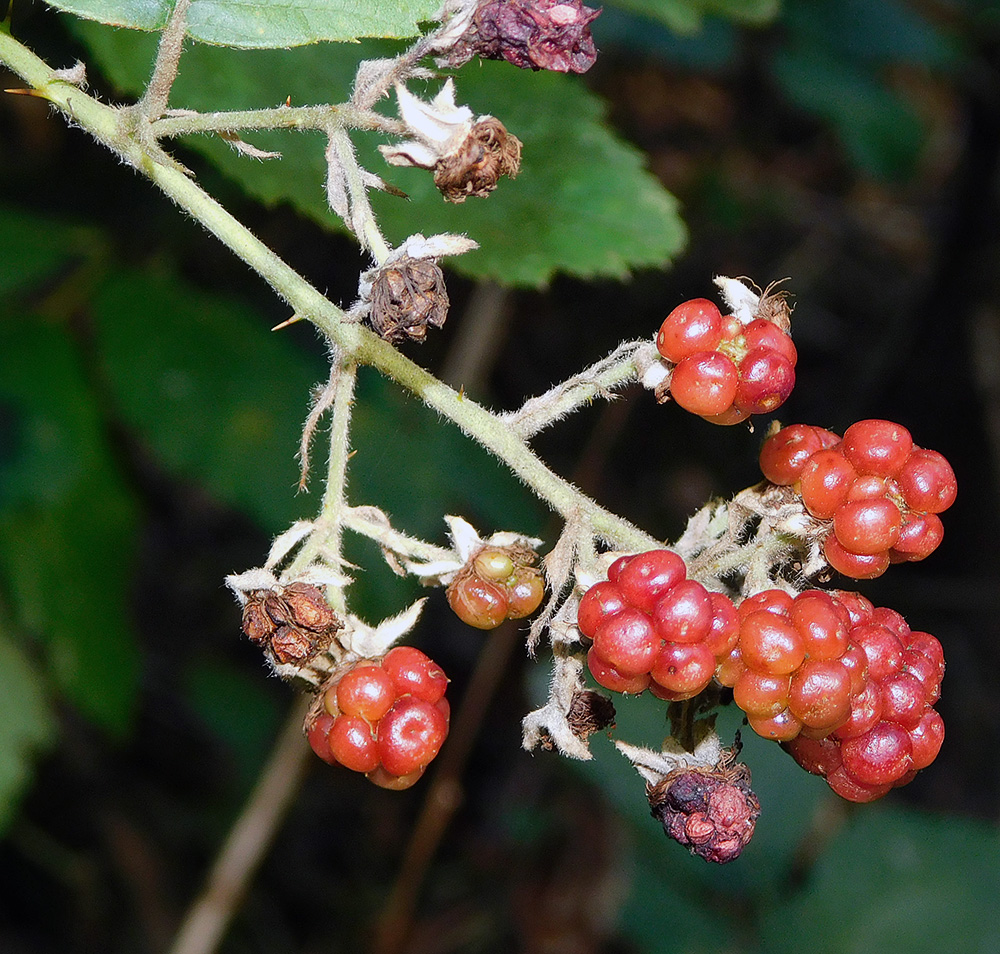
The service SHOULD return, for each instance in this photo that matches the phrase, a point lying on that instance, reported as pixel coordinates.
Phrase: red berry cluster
(387, 718)
(498, 583)
(652, 628)
(725, 370)
(848, 687)
(881, 493)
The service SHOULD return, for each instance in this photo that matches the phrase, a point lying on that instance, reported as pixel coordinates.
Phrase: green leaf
(687, 16)
(264, 24)
(26, 724)
(896, 880)
(37, 249)
(583, 203)
(212, 392)
(67, 523)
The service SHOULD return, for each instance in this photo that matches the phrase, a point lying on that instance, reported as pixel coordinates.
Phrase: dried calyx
(532, 34)
(407, 298)
(406, 294)
(292, 624)
(590, 712)
(467, 155)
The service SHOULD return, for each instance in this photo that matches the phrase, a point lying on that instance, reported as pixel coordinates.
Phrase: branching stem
(353, 341)
(326, 538)
(616, 370)
(186, 123)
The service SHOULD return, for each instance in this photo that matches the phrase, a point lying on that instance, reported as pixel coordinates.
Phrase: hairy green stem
(328, 536)
(353, 341)
(616, 370)
(361, 520)
(168, 55)
(360, 216)
(185, 123)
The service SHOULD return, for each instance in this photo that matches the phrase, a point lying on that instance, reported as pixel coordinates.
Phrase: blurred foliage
(67, 520)
(26, 723)
(837, 63)
(118, 363)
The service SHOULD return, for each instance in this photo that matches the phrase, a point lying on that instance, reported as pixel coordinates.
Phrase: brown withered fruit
(407, 298)
(474, 169)
(531, 34)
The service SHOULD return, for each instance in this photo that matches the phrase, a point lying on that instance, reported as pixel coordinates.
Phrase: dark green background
(149, 422)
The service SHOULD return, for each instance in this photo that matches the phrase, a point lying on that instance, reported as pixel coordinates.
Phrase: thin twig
(207, 919)
(361, 218)
(616, 370)
(323, 117)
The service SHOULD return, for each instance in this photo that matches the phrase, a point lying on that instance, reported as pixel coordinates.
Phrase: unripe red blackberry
(384, 718)
(652, 628)
(880, 492)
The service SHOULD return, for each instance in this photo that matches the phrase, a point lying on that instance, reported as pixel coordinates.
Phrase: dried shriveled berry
(407, 298)
(712, 812)
(293, 624)
(308, 607)
(589, 712)
(257, 625)
(475, 167)
(291, 645)
(531, 34)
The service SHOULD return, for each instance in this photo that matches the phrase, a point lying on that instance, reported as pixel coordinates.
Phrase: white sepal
(370, 642)
(742, 300)
(652, 765)
(248, 581)
(437, 128)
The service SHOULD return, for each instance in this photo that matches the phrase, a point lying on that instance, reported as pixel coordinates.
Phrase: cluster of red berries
(386, 718)
(892, 730)
(880, 492)
(725, 370)
(652, 628)
(498, 583)
(847, 686)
